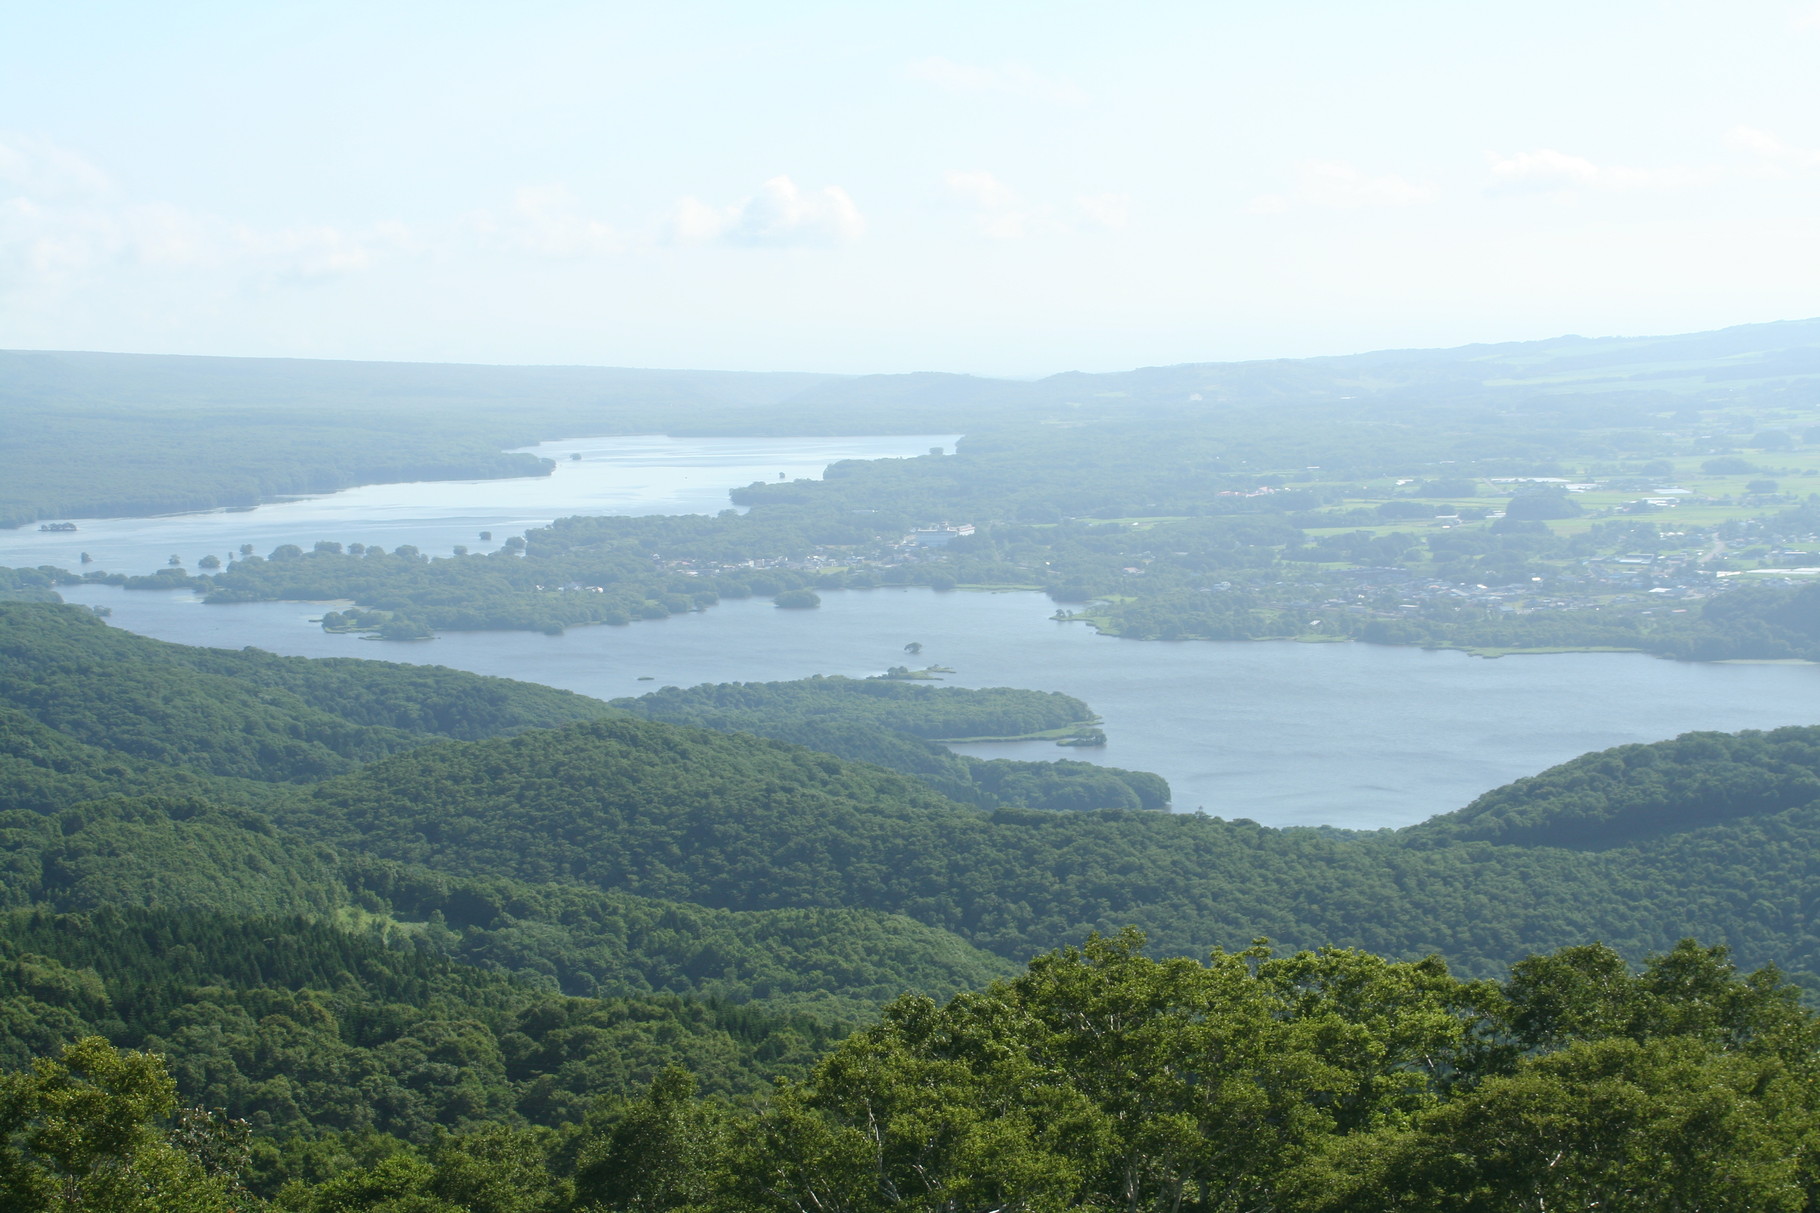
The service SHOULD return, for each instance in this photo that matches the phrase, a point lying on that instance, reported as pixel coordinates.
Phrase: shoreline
(1487, 652)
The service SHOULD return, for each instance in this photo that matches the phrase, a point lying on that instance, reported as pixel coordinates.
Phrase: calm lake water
(1358, 736)
(1353, 735)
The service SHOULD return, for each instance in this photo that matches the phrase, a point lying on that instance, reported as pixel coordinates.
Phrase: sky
(1008, 189)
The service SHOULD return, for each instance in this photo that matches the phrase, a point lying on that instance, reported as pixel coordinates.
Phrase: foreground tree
(1103, 1078)
(666, 1153)
(87, 1131)
(1662, 1127)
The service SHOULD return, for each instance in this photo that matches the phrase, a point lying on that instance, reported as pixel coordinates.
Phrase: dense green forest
(714, 828)
(1097, 1078)
(1706, 835)
(161, 809)
(346, 935)
(305, 1028)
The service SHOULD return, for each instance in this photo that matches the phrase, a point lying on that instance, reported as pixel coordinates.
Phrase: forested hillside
(1640, 791)
(1097, 1078)
(411, 929)
(711, 823)
(301, 1026)
(247, 713)
(1639, 846)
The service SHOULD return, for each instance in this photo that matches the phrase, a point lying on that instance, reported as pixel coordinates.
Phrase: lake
(647, 474)
(1352, 735)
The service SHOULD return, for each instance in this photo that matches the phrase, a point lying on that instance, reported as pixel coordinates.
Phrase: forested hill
(1641, 791)
(1706, 836)
(416, 952)
(255, 716)
(248, 714)
(333, 1046)
(1330, 1082)
(130, 772)
(707, 818)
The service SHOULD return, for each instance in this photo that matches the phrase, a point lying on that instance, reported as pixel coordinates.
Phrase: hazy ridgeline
(97, 434)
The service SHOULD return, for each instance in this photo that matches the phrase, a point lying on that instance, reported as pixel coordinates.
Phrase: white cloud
(40, 169)
(306, 251)
(983, 188)
(1011, 79)
(1546, 170)
(164, 235)
(779, 215)
(56, 218)
(1111, 211)
(1332, 185)
(546, 221)
(999, 211)
(1772, 149)
(63, 220)
(32, 239)
(1002, 213)
(1805, 17)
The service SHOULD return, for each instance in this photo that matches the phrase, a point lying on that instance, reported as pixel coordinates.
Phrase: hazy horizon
(920, 370)
(1004, 192)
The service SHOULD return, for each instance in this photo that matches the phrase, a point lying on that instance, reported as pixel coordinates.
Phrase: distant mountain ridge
(128, 434)
(251, 381)
(99, 434)
(161, 379)
(1767, 350)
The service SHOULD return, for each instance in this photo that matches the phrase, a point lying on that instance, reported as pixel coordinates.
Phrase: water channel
(1351, 735)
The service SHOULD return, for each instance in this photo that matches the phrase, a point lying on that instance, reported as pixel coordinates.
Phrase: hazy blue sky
(1011, 188)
